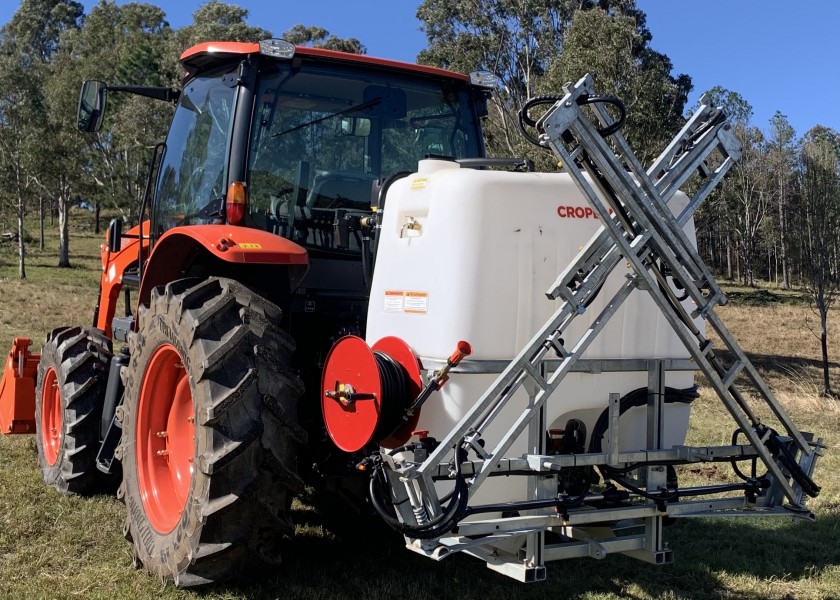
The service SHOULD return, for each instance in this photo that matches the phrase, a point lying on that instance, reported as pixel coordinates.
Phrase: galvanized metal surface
(650, 235)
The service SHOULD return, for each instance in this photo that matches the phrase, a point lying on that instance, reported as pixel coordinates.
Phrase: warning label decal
(408, 302)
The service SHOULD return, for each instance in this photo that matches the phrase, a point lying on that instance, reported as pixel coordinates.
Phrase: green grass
(67, 547)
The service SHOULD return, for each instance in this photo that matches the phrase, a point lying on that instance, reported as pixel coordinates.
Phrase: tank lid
(432, 165)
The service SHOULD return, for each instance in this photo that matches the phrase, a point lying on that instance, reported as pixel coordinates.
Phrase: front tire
(72, 376)
(209, 363)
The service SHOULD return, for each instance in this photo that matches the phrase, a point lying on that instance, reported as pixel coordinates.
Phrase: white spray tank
(467, 254)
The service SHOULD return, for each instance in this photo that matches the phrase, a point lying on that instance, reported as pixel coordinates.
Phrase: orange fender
(229, 243)
(17, 389)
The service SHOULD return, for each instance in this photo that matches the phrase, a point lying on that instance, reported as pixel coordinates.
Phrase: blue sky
(778, 55)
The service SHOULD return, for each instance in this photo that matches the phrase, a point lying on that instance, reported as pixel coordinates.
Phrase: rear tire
(241, 462)
(72, 376)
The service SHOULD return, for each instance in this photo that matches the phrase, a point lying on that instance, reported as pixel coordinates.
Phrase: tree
(121, 45)
(30, 40)
(514, 39)
(19, 111)
(319, 37)
(615, 50)
(215, 21)
(819, 197)
(782, 156)
(727, 219)
(746, 191)
(535, 46)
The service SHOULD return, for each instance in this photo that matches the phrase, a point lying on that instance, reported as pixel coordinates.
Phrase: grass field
(61, 547)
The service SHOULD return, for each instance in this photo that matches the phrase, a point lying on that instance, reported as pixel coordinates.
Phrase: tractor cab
(278, 138)
(296, 139)
(301, 143)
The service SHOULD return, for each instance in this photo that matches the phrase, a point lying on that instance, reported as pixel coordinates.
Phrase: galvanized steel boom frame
(638, 229)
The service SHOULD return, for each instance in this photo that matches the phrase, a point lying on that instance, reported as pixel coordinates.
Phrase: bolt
(161, 434)
(162, 453)
(190, 419)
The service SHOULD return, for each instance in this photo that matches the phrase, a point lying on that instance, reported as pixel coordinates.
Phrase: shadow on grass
(781, 366)
(766, 298)
(709, 555)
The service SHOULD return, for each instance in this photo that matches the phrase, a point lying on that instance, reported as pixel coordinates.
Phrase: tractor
(321, 245)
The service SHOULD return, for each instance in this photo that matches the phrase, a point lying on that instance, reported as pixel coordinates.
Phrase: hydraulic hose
(525, 118)
(449, 518)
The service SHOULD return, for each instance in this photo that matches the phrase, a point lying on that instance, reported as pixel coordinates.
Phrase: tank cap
(433, 165)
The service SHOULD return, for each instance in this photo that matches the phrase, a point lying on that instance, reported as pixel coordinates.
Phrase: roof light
(277, 48)
(485, 79)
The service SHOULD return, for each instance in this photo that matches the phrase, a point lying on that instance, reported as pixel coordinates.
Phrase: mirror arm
(157, 93)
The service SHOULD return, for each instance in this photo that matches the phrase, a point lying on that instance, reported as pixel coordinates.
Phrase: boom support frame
(638, 229)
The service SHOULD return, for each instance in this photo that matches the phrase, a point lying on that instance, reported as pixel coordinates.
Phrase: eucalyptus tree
(616, 51)
(819, 228)
(534, 46)
(123, 44)
(214, 21)
(34, 148)
(724, 223)
(319, 37)
(516, 40)
(20, 112)
(748, 194)
(782, 163)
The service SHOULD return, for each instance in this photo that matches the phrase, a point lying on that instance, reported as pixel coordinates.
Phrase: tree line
(46, 50)
(775, 218)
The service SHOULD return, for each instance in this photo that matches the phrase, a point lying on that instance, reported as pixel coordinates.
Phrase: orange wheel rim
(165, 444)
(52, 423)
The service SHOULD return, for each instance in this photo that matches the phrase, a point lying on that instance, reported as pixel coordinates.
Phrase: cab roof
(207, 54)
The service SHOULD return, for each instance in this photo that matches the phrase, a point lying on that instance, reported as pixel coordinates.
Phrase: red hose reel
(367, 391)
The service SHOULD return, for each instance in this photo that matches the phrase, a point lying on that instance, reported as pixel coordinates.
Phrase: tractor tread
(242, 386)
(80, 357)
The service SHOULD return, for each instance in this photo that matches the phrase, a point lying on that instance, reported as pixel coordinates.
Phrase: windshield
(321, 137)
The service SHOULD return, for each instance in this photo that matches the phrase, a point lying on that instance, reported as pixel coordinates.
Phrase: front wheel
(72, 376)
(209, 432)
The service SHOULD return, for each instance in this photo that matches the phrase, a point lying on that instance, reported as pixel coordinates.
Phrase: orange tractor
(283, 328)
(238, 253)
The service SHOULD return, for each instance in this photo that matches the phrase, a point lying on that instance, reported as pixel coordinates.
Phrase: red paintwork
(402, 353)
(114, 266)
(245, 245)
(202, 54)
(350, 362)
(240, 244)
(165, 439)
(52, 421)
(179, 245)
(17, 389)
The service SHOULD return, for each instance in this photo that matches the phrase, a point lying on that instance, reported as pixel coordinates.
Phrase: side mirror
(115, 235)
(355, 126)
(91, 106)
